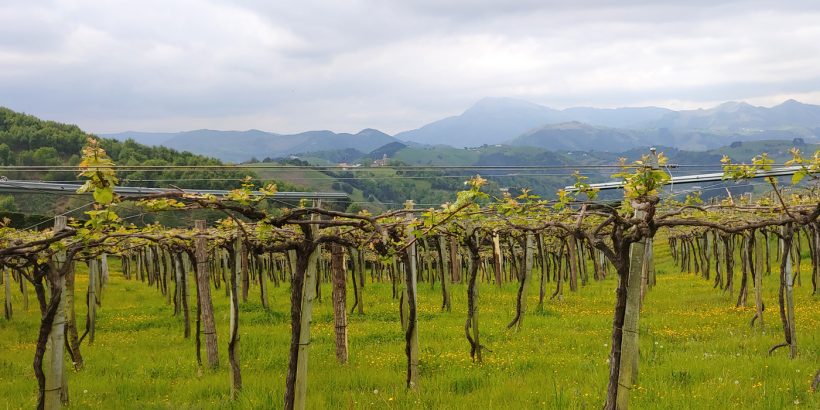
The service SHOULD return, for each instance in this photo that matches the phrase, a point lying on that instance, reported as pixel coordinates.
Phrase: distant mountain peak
(371, 131)
(793, 104)
(730, 106)
(489, 121)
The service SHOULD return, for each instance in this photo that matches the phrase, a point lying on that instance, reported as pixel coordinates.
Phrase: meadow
(697, 351)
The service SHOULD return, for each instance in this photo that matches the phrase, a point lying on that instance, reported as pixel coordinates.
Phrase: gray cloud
(394, 65)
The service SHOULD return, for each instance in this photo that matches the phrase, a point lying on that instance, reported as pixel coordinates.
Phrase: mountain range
(515, 122)
(239, 146)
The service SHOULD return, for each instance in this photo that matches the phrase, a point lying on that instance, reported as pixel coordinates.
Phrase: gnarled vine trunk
(205, 303)
(339, 296)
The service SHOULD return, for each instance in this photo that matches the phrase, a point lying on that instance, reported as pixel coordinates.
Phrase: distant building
(381, 162)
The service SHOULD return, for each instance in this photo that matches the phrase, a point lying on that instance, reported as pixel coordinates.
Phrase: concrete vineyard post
(55, 373)
(308, 294)
(93, 275)
(498, 258)
(628, 372)
(103, 272)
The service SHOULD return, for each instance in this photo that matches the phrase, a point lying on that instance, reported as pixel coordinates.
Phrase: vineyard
(480, 302)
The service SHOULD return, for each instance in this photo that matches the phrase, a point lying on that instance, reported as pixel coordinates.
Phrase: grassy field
(697, 351)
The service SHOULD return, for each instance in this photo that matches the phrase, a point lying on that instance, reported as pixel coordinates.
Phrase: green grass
(438, 156)
(697, 351)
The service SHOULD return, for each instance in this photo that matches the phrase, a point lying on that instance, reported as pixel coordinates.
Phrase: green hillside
(26, 140)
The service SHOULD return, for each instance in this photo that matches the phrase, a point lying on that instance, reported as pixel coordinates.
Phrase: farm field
(697, 351)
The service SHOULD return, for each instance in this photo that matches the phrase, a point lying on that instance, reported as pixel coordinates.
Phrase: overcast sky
(172, 65)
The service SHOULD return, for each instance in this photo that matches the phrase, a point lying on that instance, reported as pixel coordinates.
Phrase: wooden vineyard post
(55, 375)
(339, 296)
(628, 367)
(204, 286)
(412, 334)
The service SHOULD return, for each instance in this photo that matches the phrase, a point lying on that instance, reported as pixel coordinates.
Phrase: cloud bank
(162, 65)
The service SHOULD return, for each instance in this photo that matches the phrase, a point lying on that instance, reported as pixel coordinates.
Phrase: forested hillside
(26, 140)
